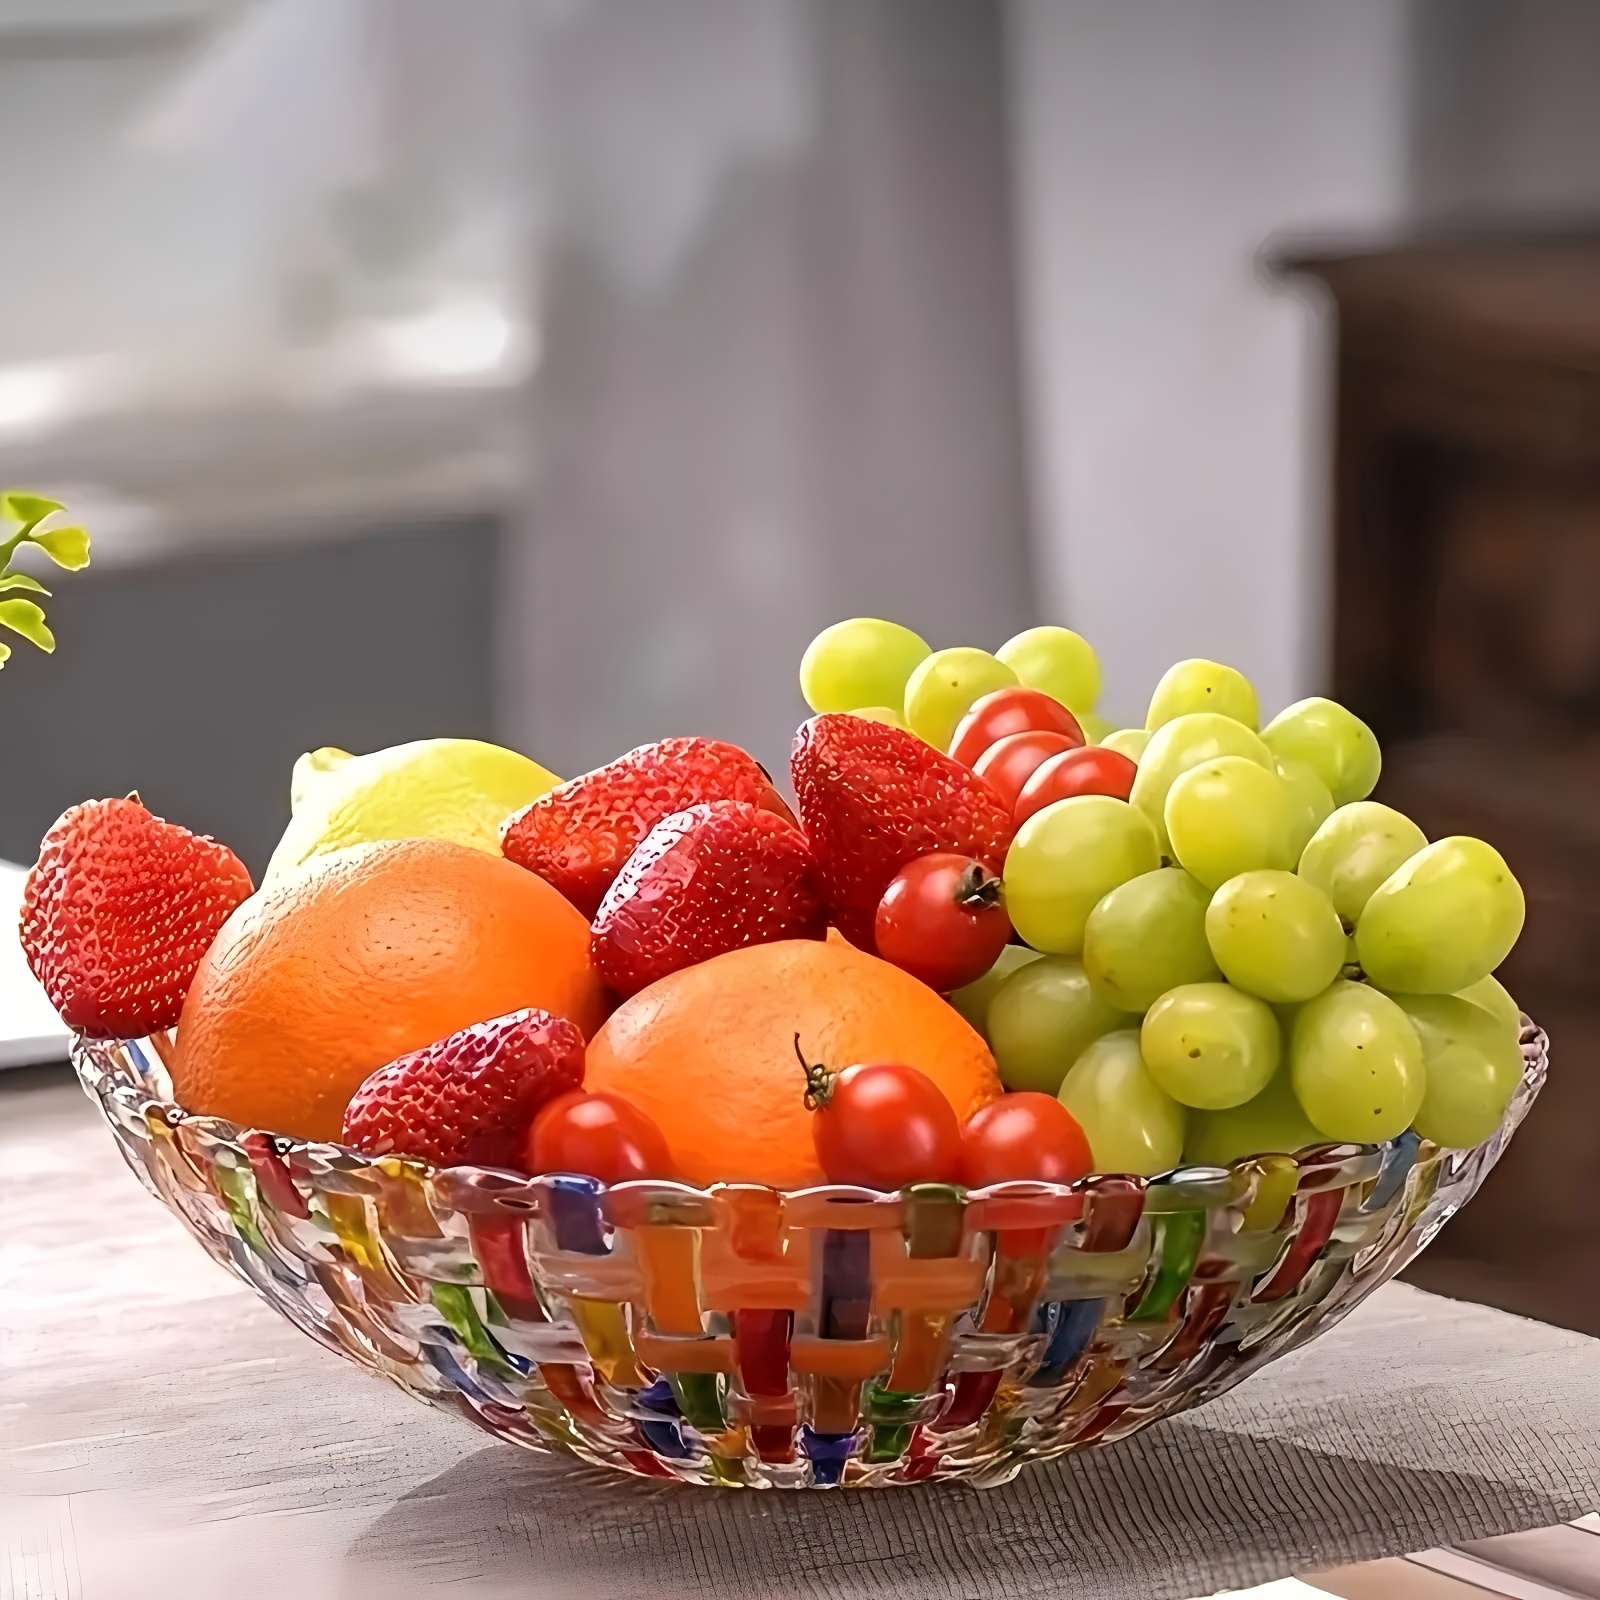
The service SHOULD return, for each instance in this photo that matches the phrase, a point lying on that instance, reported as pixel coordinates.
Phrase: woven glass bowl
(739, 1336)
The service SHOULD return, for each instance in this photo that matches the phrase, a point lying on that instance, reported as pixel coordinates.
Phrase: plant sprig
(68, 547)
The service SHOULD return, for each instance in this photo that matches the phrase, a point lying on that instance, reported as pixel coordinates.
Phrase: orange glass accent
(921, 1353)
(755, 1220)
(817, 1211)
(403, 1204)
(731, 1281)
(1021, 1265)
(854, 1359)
(671, 1278)
(835, 1404)
(603, 1325)
(565, 1382)
(663, 1353)
(947, 1284)
(1026, 1211)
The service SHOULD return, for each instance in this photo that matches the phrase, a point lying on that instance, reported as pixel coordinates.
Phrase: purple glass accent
(574, 1207)
(827, 1453)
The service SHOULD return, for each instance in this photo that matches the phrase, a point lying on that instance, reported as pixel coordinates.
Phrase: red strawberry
(706, 880)
(117, 912)
(872, 798)
(578, 835)
(468, 1100)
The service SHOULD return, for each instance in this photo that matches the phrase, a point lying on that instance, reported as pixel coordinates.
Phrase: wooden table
(163, 1433)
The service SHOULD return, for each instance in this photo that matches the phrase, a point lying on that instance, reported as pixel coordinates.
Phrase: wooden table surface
(162, 1433)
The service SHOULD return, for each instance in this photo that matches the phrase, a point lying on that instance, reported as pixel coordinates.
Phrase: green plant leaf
(5, 652)
(21, 580)
(67, 547)
(24, 617)
(27, 508)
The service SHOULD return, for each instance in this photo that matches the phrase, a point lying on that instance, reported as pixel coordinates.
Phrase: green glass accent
(1178, 1238)
(933, 1219)
(235, 1188)
(889, 1444)
(456, 1306)
(699, 1397)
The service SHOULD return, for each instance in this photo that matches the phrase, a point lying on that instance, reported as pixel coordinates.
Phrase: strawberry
(578, 835)
(708, 879)
(470, 1099)
(117, 912)
(872, 798)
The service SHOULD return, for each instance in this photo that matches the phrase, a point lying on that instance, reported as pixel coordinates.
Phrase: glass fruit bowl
(834, 1337)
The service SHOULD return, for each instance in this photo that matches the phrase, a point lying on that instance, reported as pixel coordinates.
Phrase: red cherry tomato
(600, 1135)
(1009, 762)
(882, 1126)
(1014, 710)
(1024, 1135)
(941, 920)
(1091, 770)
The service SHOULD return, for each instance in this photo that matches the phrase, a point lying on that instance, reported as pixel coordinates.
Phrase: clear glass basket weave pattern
(739, 1336)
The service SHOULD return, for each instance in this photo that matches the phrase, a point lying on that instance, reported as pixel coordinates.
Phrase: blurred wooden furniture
(1467, 632)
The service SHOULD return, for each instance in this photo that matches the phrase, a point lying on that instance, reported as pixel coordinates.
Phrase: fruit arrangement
(995, 939)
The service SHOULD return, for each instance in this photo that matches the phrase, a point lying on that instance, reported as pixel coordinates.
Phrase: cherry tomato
(941, 920)
(600, 1135)
(1014, 710)
(1009, 762)
(1091, 770)
(882, 1126)
(1024, 1135)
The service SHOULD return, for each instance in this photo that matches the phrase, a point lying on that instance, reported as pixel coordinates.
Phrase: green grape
(1275, 936)
(1228, 816)
(1129, 742)
(973, 1000)
(1442, 920)
(862, 662)
(1191, 686)
(1491, 994)
(1211, 1046)
(941, 689)
(1183, 743)
(1042, 1018)
(1356, 1063)
(1095, 728)
(1147, 936)
(1271, 1124)
(1473, 1067)
(1132, 1123)
(1336, 744)
(1058, 661)
(1311, 803)
(1064, 858)
(1355, 850)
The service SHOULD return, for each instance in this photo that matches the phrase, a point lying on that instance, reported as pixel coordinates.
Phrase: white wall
(1177, 426)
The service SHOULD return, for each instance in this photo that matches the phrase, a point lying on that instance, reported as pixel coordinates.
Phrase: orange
(367, 953)
(709, 1052)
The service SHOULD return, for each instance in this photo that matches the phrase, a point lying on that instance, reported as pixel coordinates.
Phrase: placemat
(157, 1423)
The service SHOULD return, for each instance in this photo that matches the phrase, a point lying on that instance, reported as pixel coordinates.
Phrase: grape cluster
(1237, 951)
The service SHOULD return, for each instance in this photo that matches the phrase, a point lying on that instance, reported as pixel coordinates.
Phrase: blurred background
(551, 370)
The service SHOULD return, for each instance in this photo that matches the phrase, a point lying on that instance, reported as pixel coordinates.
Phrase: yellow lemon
(456, 789)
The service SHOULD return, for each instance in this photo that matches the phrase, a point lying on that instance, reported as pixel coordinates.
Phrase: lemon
(458, 789)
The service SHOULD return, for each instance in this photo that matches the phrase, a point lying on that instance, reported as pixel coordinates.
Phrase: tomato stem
(819, 1079)
(977, 887)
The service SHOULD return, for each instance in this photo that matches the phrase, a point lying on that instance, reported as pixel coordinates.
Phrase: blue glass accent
(661, 1432)
(1399, 1156)
(846, 1283)
(827, 1453)
(575, 1213)
(1069, 1325)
